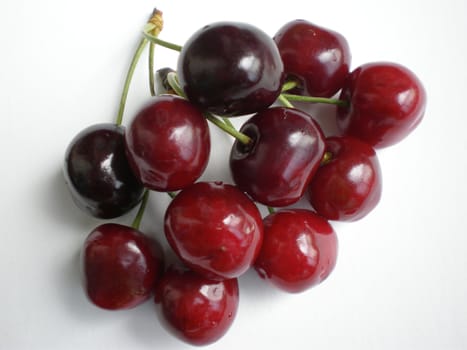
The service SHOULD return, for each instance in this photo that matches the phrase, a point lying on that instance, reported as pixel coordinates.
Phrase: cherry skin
(317, 57)
(197, 310)
(98, 174)
(119, 266)
(299, 250)
(348, 185)
(215, 229)
(286, 151)
(386, 101)
(168, 144)
(230, 69)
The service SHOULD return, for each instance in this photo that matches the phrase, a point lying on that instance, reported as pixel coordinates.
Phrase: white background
(401, 277)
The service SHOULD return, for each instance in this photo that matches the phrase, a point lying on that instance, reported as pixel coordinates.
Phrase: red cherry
(386, 102)
(286, 151)
(299, 250)
(348, 185)
(168, 144)
(318, 57)
(215, 229)
(119, 266)
(197, 310)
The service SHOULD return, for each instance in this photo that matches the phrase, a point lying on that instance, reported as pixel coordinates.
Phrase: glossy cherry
(230, 69)
(386, 101)
(286, 150)
(317, 57)
(98, 174)
(119, 266)
(215, 229)
(347, 186)
(168, 144)
(197, 310)
(299, 250)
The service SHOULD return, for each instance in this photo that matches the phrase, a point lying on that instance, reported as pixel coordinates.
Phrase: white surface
(401, 279)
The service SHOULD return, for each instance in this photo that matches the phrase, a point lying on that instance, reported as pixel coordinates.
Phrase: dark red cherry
(230, 69)
(386, 102)
(168, 143)
(317, 57)
(119, 266)
(215, 229)
(348, 184)
(98, 174)
(286, 150)
(299, 250)
(162, 85)
(197, 310)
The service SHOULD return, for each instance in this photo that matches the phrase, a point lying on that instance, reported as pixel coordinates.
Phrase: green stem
(271, 210)
(139, 215)
(173, 82)
(285, 101)
(172, 194)
(245, 139)
(151, 69)
(312, 99)
(154, 39)
(129, 76)
(289, 85)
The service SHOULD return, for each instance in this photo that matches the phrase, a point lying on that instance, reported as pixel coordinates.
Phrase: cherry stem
(154, 39)
(289, 85)
(312, 99)
(224, 124)
(151, 69)
(271, 210)
(155, 23)
(171, 194)
(327, 157)
(142, 207)
(282, 99)
(129, 76)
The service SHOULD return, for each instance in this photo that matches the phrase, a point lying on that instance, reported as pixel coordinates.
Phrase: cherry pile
(280, 155)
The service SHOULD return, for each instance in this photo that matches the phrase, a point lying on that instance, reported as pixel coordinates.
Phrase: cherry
(162, 85)
(286, 150)
(386, 101)
(299, 250)
(120, 266)
(348, 184)
(194, 308)
(168, 144)
(98, 174)
(215, 229)
(318, 58)
(230, 69)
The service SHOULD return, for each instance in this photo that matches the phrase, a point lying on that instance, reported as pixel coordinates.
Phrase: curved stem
(129, 76)
(151, 69)
(271, 210)
(173, 82)
(245, 139)
(282, 99)
(154, 39)
(300, 98)
(142, 207)
(289, 85)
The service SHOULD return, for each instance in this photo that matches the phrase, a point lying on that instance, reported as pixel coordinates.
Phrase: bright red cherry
(231, 69)
(168, 144)
(197, 310)
(299, 250)
(386, 101)
(119, 266)
(347, 186)
(215, 229)
(98, 174)
(317, 57)
(286, 150)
